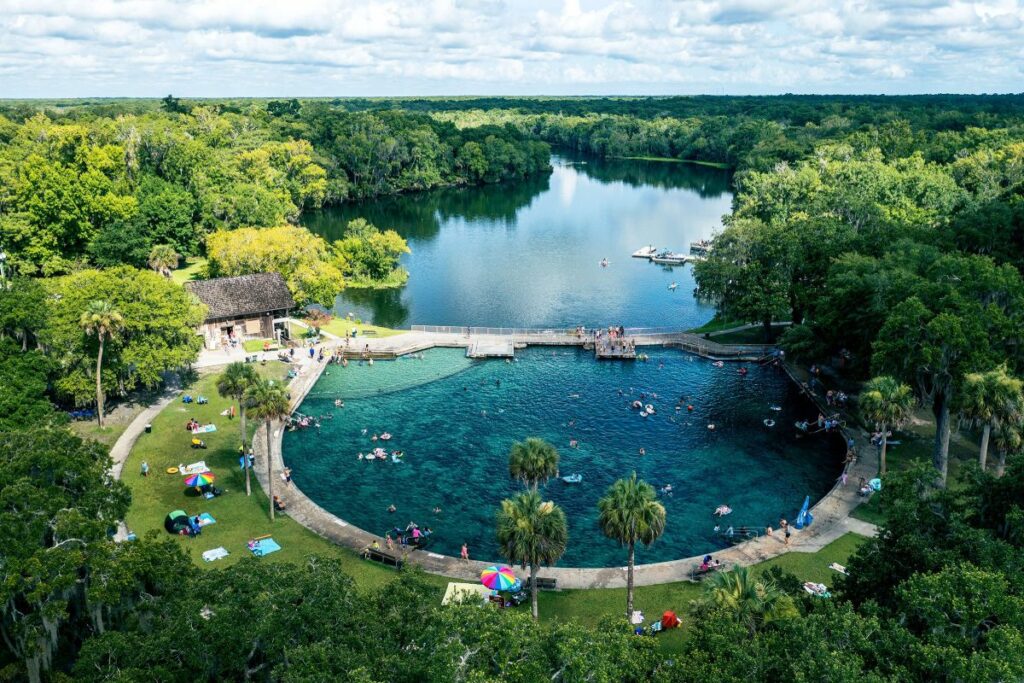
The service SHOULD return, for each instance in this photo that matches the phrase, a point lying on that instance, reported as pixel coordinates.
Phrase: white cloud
(394, 47)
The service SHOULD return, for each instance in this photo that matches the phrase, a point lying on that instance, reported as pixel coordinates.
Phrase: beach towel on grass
(215, 554)
(206, 519)
(203, 429)
(265, 547)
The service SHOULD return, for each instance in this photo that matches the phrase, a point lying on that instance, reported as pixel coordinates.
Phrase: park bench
(543, 584)
(384, 557)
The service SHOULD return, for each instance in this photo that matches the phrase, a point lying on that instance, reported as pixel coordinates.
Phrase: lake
(527, 254)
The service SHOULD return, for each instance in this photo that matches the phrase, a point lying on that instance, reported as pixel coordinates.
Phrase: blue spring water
(455, 419)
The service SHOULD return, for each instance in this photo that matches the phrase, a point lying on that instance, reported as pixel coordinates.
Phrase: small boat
(604, 263)
(673, 286)
(670, 258)
(645, 252)
(572, 478)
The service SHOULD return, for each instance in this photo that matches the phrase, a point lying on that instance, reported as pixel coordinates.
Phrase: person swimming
(722, 510)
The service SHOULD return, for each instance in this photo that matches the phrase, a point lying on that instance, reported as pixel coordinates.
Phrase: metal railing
(541, 331)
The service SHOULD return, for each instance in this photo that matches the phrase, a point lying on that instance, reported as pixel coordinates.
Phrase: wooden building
(242, 307)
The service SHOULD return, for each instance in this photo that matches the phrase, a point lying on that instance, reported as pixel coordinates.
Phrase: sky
(259, 48)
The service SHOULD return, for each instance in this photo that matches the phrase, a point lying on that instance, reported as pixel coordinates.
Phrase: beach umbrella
(200, 479)
(498, 578)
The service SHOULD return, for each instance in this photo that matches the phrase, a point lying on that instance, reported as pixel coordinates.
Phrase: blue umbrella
(804, 518)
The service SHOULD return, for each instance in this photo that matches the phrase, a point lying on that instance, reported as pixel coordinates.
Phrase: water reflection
(527, 254)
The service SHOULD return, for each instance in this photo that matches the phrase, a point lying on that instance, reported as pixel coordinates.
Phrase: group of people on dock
(613, 340)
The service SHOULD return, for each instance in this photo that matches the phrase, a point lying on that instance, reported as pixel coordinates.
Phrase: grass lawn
(107, 435)
(751, 335)
(192, 269)
(716, 324)
(592, 606)
(256, 345)
(339, 326)
(917, 441)
(240, 518)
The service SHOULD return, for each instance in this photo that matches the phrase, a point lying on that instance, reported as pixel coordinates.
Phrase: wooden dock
(615, 349)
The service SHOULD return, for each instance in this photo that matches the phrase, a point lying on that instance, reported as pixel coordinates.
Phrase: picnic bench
(384, 557)
(543, 584)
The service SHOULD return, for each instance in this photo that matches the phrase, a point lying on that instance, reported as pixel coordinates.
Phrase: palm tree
(1008, 439)
(233, 383)
(533, 461)
(105, 321)
(751, 601)
(991, 398)
(531, 532)
(630, 512)
(163, 259)
(887, 402)
(267, 401)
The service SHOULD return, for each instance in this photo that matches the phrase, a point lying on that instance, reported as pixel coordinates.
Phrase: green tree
(22, 310)
(59, 502)
(121, 242)
(751, 601)
(23, 391)
(163, 259)
(105, 322)
(991, 398)
(531, 532)
(888, 403)
(302, 258)
(533, 461)
(1008, 440)
(629, 512)
(233, 383)
(160, 321)
(268, 401)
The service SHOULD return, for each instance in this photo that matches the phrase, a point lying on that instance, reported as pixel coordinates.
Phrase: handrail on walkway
(541, 331)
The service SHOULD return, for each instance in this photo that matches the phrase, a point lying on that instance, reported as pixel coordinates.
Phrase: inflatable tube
(637, 405)
(769, 423)
(649, 408)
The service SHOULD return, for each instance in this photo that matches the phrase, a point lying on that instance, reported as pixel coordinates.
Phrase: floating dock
(615, 349)
(490, 348)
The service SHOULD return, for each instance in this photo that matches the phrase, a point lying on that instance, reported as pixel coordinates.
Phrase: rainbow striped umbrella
(498, 578)
(201, 479)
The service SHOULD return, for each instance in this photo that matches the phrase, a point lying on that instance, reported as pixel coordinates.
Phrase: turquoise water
(456, 419)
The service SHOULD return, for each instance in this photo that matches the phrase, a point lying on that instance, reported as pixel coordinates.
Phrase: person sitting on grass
(279, 504)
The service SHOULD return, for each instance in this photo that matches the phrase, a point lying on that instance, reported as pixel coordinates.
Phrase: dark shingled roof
(236, 297)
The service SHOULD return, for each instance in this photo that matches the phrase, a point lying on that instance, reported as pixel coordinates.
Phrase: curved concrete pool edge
(831, 513)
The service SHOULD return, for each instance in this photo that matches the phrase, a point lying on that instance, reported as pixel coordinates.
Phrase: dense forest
(81, 187)
(888, 231)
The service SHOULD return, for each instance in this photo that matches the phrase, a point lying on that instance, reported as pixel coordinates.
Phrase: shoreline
(832, 511)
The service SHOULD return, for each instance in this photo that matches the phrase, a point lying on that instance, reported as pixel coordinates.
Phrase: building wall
(248, 327)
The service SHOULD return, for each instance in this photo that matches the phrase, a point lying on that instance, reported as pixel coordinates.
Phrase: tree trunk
(940, 454)
(270, 475)
(768, 336)
(99, 384)
(1001, 463)
(986, 431)
(245, 454)
(881, 456)
(533, 591)
(629, 580)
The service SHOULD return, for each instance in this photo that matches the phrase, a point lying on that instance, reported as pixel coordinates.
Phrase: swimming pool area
(454, 420)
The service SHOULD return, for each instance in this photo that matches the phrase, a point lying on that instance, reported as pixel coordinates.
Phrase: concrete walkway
(831, 514)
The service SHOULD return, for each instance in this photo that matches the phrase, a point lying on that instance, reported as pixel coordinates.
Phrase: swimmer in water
(392, 508)
(437, 509)
(711, 427)
(643, 451)
(364, 432)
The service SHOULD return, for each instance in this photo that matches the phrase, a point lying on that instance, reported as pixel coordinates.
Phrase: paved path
(831, 515)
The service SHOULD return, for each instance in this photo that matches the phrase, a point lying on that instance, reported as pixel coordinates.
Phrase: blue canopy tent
(805, 517)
